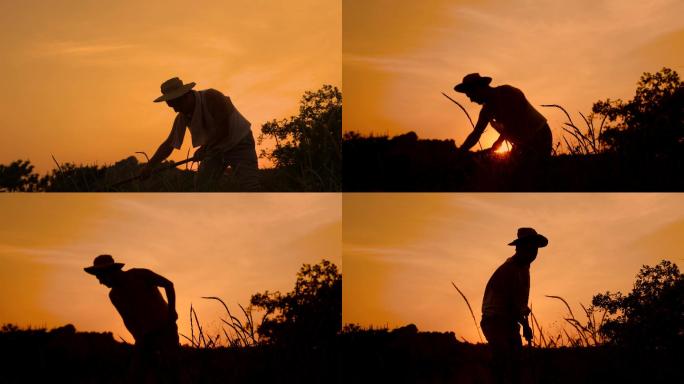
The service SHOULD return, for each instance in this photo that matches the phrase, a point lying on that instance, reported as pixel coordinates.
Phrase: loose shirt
(514, 117)
(507, 291)
(215, 122)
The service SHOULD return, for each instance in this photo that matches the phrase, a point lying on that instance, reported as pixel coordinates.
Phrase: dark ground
(403, 355)
(63, 355)
(408, 356)
(406, 163)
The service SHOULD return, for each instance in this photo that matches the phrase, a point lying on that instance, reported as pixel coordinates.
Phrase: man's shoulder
(508, 266)
(507, 90)
(216, 101)
(141, 276)
(212, 91)
(138, 273)
(213, 94)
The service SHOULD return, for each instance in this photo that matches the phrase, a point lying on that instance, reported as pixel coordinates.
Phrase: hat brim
(95, 270)
(465, 87)
(538, 240)
(176, 93)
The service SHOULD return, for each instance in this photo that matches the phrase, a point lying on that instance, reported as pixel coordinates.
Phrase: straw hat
(103, 263)
(172, 89)
(529, 235)
(471, 81)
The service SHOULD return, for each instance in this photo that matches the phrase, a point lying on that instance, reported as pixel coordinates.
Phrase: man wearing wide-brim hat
(507, 110)
(151, 320)
(223, 135)
(504, 307)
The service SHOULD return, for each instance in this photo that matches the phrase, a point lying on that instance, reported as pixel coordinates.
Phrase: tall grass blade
(471, 311)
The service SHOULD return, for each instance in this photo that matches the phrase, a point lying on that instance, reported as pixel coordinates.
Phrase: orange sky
(399, 56)
(401, 252)
(225, 245)
(80, 76)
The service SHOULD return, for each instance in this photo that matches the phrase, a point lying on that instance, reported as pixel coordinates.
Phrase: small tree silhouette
(308, 145)
(309, 315)
(18, 176)
(652, 123)
(652, 315)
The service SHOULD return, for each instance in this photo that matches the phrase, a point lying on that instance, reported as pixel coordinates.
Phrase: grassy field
(19, 176)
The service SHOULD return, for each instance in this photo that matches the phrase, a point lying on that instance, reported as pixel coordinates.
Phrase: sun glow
(504, 148)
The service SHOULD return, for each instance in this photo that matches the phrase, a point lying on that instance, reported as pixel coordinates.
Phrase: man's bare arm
(162, 152)
(161, 281)
(474, 136)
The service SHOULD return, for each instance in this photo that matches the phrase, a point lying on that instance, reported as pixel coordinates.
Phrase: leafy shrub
(308, 146)
(652, 122)
(18, 176)
(652, 315)
(309, 315)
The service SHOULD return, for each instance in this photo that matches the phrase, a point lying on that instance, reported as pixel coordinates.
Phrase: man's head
(527, 244)
(475, 87)
(105, 269)
(184, 104)
(177, 95)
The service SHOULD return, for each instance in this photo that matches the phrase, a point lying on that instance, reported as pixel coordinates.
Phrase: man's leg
(538, 160)
(210, 171)
(530, 162)
(136, 369)
(243, 160)
(169, 359)
(162, 350)
(496, 340)
(515, 354)
(503, 336)
(142, 369)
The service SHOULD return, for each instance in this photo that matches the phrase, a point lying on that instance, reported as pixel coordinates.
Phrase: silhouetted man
(504, 307)
(511, 115)
(150, 319)
(223, 135)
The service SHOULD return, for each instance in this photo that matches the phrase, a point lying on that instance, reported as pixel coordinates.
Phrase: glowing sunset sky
(399, 56)
(79, 77)
(401, 252)
(225, 245)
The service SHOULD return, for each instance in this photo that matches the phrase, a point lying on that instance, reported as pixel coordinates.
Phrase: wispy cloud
(398, 65)
(79, 48)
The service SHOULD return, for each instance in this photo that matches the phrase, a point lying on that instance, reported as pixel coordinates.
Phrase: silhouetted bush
(652, 315)
(18, 176)
(650, 124)
(308, 146)
(309, 315)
